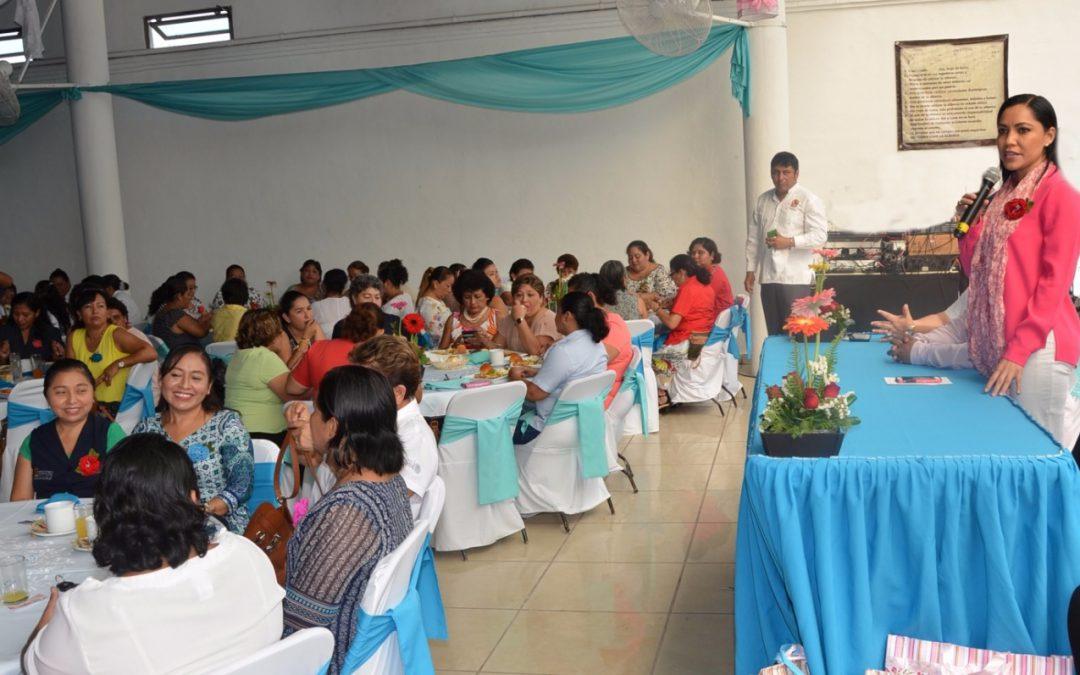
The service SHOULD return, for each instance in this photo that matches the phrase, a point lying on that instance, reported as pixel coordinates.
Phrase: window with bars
(194, 27)
(12, 49)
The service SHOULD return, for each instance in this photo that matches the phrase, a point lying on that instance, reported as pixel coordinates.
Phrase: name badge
(40, 474)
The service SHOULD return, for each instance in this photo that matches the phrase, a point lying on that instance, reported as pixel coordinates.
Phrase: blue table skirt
(974, 549)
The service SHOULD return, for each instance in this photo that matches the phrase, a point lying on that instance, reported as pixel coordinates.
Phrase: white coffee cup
(60, 517)
(497, 357)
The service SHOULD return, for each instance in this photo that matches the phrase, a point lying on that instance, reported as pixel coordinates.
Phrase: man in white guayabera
(788, 224)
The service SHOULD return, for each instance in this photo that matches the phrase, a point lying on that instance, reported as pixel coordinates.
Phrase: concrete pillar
(766, 132)
(95, 139)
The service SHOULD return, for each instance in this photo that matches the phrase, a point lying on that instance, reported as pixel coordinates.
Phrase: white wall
(843, 100)
(398, 175)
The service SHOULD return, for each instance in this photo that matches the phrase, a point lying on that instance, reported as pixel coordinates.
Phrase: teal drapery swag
(572, 78)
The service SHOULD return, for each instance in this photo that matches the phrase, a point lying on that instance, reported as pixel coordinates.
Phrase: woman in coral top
(1024, 332)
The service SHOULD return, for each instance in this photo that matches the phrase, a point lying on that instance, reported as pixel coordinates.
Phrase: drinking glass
(37, 366)
(84, 515)
(13, 585)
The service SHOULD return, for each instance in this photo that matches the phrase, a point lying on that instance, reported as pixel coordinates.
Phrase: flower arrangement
(809, 399)
(413, 324)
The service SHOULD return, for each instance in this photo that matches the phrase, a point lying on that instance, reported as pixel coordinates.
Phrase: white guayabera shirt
(799, 215)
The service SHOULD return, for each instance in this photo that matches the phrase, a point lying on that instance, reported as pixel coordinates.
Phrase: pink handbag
(908, 656)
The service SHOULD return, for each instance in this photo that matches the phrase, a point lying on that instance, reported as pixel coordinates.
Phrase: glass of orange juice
(83, 513)
(13, 585)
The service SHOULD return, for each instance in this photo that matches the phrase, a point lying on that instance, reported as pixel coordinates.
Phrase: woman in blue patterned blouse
(362, 518)
(191, 414)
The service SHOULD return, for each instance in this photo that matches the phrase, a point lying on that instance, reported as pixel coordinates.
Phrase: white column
(95, 139)
(766, 132)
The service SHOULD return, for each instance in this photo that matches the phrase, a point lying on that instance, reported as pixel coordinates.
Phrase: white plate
(48, 534)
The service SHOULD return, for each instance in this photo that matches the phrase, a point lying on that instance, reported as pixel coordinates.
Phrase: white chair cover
(616, 414)
(266, 451)
(386, 588)
(632, 424)
(431, 506)
(221, 350)
(705, 378)
(30, 393)
(549, 467)
(141, 374)
(466, 523)
(305, 651)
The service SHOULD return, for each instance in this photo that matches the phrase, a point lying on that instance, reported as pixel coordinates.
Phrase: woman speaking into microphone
(1024, 333)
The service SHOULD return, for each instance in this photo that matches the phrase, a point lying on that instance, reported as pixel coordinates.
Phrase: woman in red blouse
(695, 304)
(705, 254)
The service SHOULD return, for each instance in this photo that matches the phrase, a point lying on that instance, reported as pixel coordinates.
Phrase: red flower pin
(1015, 209)
(412, 323)
(36, 344)
(794, 203)
(90, 465)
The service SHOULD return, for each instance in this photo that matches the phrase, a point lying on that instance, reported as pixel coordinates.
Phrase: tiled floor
(647, 590)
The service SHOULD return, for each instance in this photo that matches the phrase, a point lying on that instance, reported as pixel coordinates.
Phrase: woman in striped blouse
(362, 518)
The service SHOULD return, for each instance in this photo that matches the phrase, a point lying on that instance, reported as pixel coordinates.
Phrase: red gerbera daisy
(412, 323)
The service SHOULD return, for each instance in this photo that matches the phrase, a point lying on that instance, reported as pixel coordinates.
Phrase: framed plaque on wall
(948, 91)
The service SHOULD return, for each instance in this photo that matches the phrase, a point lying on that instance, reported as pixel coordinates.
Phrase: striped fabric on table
(923, 657)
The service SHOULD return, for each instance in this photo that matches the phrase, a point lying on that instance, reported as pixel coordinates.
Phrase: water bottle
(16, 367)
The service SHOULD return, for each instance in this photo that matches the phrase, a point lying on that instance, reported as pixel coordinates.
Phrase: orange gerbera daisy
(805, 325)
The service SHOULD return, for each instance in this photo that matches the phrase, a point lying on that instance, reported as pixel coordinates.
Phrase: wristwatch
(120, 364)
(519, 320)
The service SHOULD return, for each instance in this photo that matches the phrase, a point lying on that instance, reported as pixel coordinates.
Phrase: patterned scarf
(986, 295)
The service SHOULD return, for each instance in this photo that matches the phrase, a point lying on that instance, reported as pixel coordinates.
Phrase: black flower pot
(813, 444)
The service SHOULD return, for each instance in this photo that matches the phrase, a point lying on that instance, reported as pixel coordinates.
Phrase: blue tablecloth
(948, 515)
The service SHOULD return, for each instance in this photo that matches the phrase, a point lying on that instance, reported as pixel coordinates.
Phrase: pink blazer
(1042, 252)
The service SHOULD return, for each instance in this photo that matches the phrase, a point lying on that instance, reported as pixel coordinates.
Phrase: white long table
(46, 557)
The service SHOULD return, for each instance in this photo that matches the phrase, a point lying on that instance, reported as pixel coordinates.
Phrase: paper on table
(932, 381)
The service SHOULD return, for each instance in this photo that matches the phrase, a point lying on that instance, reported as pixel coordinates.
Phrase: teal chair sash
(496, 465)
(591, 439)
(740, 319)
(636, 381)
(418, 617)
(132, 395)
(19, 414)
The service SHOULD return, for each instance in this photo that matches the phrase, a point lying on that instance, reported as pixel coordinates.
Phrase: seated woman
(365, 515)
(620, 351)
(53, 306)
(477, 322)
(393, 275)
(190, 413)
(195, 309)
(107, 350)
(225, 319)
(29, 333)
(646, 277)
(325, 355)
(487, 267)
(181, 598)
(694, 308)
(299, 325)
(256, 376)
(628, 305)
(705, 254)
(367, 288)
(335, 304)
(255, 299)
(310, 280)
(530, 327)
(172, 323)
(579, 354)
(65, 455)
(435, 290)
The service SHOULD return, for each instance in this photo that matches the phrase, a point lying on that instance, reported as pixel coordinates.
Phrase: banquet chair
(27, 410)
(221, 350)
(159, 346)
(305, 651)
(616, 413)
(714, 375)
(386, 588)
(466, 522)
(262, 487)
(641, 336)
(139, 401)
(552, 467)
(431, 506)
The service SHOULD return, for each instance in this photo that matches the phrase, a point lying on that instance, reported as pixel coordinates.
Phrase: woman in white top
(394, 276)
(190, 601)
(334, 306)
(580, 354)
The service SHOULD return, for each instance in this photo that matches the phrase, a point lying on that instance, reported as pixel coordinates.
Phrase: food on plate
(461, 349)
(451, 363)
(516, 359)
(490, 372)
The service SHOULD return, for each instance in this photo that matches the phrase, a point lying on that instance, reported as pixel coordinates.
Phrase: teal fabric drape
(496, 464)
(33, 106)
(572, 78)
(591, 439)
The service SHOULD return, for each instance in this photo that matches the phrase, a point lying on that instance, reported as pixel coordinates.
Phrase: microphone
(989, 179)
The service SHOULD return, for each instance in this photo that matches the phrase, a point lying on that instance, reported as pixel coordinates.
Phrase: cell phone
(918, 379)
(859, 337)
(64, 586)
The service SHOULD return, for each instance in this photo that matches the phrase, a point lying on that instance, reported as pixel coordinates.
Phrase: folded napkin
(482, 356)
(443, 385)
(58, 497)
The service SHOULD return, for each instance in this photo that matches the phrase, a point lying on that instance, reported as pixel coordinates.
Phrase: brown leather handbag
(271, 526)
